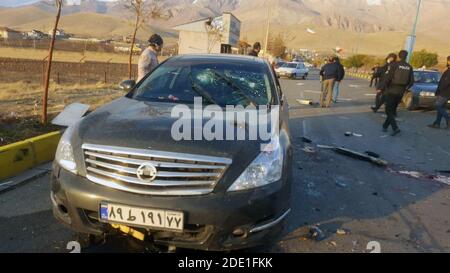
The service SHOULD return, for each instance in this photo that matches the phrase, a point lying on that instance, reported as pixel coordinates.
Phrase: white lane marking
(312, 91)
(300, 84)
(370, 95)
(354, 85)
(344, 99)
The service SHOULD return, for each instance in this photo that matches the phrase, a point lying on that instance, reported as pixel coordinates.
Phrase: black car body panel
(210, 219)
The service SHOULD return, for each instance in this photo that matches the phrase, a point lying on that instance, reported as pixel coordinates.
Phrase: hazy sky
(13, 3)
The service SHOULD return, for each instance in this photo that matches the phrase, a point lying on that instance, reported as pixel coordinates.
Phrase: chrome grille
(177, 173)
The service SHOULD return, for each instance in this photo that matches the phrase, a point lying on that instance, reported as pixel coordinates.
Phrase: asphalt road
(374, 206)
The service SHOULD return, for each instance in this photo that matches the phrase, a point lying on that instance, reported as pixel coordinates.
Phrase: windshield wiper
(200, 92)
(234, 86)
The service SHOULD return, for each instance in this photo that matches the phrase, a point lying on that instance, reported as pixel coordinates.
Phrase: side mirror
(127, 85)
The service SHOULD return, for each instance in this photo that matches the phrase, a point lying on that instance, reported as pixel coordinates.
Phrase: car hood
(427, 87)
(145, 125)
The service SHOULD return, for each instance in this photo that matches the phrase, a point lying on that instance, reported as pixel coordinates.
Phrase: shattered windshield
(217, 83)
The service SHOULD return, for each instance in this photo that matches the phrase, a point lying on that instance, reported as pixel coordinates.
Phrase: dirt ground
(21, 106)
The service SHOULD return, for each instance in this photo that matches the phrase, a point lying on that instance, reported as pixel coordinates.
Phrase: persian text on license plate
(156, 218)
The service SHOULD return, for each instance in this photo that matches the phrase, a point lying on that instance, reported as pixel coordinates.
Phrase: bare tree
(214, 31)
(142, 10)
(58, 4)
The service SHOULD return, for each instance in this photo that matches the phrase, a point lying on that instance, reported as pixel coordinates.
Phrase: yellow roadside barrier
(129, 231)
(20, 156)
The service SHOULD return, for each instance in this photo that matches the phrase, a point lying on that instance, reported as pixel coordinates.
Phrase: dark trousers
(441, 107)
(372, 80)
(392, 101)
(379, 100)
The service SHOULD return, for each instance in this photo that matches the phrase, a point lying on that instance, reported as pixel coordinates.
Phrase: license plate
(154, 218)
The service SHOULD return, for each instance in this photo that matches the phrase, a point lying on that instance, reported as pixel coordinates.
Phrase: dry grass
(67, 56)
(63, 56)
(20, 106)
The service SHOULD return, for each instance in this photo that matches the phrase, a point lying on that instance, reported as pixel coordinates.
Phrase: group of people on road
(394, 79)
(331, 75)
(391, 80)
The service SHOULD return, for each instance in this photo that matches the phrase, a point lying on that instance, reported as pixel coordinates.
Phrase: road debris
(306, 140)
(332, 243)
(307, 102)
(372, 154)
(316, 233)
(360, 156)
(308, 149)
(341, 231)
(352, 134)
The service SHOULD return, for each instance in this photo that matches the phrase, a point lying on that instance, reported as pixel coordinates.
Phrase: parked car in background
(422, 93)
(279, 64)
(120, 170)
(293, 70)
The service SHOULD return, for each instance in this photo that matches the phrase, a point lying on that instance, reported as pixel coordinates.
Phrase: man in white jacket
(149, 57)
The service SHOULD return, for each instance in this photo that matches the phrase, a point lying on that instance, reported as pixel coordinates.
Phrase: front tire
(408, 102)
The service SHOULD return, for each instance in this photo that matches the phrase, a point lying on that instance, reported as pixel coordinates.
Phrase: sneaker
(374, 109)
(434, 126)
(396, 132)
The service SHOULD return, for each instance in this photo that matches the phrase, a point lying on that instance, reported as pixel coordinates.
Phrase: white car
(293, 70)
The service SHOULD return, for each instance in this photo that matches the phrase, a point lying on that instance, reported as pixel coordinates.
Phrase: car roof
(219, 57)
(432, 71)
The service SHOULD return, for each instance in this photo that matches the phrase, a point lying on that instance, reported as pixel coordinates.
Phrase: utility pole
(411, 39)
(267, 28)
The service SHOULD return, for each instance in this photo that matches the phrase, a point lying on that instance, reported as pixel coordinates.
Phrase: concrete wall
(191, 42)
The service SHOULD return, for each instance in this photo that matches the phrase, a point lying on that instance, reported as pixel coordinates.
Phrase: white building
(10, 34)
(210, 35)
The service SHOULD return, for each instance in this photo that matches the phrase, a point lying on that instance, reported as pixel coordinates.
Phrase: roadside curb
(23, 155)
(359, 75)
(25, 177)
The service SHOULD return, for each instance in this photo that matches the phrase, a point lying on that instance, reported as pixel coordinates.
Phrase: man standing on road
(399, 78)
(442, 97)
(382, 72)
(255, 50)
(149, 57)
(341, 74)
(375, 75)
(329, 73)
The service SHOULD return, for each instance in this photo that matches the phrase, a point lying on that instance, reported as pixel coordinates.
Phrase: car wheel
(294, 76)
(408, 101)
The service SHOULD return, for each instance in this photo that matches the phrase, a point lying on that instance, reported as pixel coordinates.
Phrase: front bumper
(209, 219)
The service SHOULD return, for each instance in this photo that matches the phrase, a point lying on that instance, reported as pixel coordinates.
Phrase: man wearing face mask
(442, 98)
(149, 57)
(382, 72)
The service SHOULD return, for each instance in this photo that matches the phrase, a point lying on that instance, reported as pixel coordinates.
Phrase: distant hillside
(13, 17)
(337, 22)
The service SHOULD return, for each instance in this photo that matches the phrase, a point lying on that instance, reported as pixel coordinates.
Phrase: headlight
(64, 153)
(265, 169)
(427, 94)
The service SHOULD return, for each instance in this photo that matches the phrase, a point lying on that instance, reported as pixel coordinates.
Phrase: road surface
(375, 207)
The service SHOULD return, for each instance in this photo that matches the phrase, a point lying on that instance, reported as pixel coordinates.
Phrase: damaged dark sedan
(120, 169)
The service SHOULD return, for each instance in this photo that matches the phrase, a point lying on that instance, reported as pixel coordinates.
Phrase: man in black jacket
(375, 75)
(382, 72)
(399, 78)
(329, 74)
(442, 97)
(341, 74)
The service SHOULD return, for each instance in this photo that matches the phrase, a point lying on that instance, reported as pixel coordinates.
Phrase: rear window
(218, 82)
(426, 77)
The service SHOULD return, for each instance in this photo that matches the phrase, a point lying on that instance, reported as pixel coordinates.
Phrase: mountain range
(371, 26)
